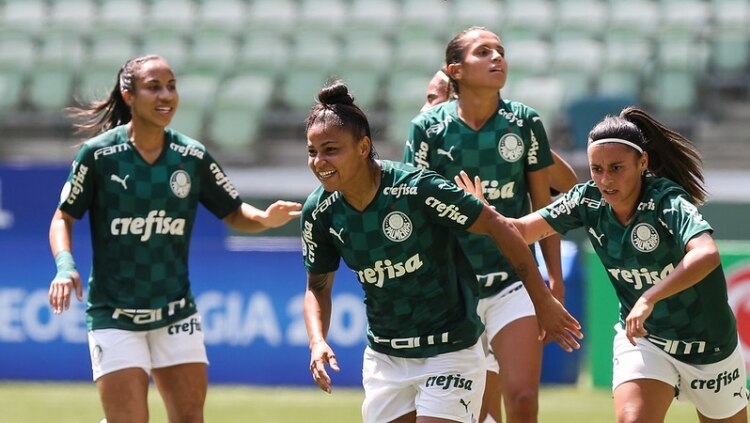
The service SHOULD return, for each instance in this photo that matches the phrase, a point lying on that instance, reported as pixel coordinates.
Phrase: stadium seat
(683, 50)
(272, 15)
(628, 58)
(111, 48)
(197, 92)
(468, 13)
(691, 16)
(731, 13)
(576, 62)
(51, 87)
(673, 91)
(428, 16)
(229, 15)
(17, 49)
(320, 15)
(585, 112)
(27, 15)
(589, 16)
(418, 52)
(95, 82)
(177, 15)
(533, 16)
(641, 16)
(381, 16)
(61, 47)
(406, 95)
(262, 51)
(213, 51)
(78, 15)
(543, 93)
(168, 43)
(11, 89)
(237, 114)
(366, 48)
(527, 57)
(729, 50)
(127, 16)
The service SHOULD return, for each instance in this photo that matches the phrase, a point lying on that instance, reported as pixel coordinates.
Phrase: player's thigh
(124, 395)
(519, 354)
(643, 400)
(183, 389)
(116, 349)
(179, 361)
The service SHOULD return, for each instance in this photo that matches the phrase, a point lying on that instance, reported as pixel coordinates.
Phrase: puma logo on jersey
(121, 181)
(598, 238)
(465, 404)
(336, 234)
(448, 154)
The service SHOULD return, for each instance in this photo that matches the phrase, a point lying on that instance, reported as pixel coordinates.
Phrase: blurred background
(248, 72)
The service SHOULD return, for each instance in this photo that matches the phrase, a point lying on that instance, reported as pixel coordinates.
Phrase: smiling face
(336, 158)
(483, 64)
(154, 99)
(617, 169)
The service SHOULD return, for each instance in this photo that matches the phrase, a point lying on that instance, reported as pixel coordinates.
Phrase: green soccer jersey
(420, 291)
(141, 216)
(695, 325)
(510, 144)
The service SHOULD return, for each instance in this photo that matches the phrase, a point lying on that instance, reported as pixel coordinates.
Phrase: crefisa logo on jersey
(644, 238)
(180, 183)
(510, 147)
(397, 226)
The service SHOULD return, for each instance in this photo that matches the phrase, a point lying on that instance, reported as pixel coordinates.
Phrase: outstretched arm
(67, 280)
(317, 312)
(251, 219)
(555, 321)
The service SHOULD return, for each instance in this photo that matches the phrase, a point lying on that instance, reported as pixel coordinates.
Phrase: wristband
(65, 265)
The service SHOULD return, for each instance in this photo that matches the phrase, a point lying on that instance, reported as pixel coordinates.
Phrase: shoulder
(517, 111)
(439, 115)
(183, 144)
(660, 190)
(318, 203)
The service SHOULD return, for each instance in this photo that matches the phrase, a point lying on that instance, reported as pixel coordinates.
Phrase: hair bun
(335, 93)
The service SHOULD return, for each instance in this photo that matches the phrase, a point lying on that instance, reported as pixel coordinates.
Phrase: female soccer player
(395, 226)
(677, 335)
(505, 144)
(141, 183)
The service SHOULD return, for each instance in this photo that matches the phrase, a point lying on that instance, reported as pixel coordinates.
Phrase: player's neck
(365, 188)
(149, 142)
(475, 109)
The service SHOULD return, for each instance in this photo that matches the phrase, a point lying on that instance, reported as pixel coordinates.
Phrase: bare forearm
(246, 219)
(317, 307)
(695, 266)
(60, 233)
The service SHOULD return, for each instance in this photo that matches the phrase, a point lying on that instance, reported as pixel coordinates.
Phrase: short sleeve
(77, 194)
